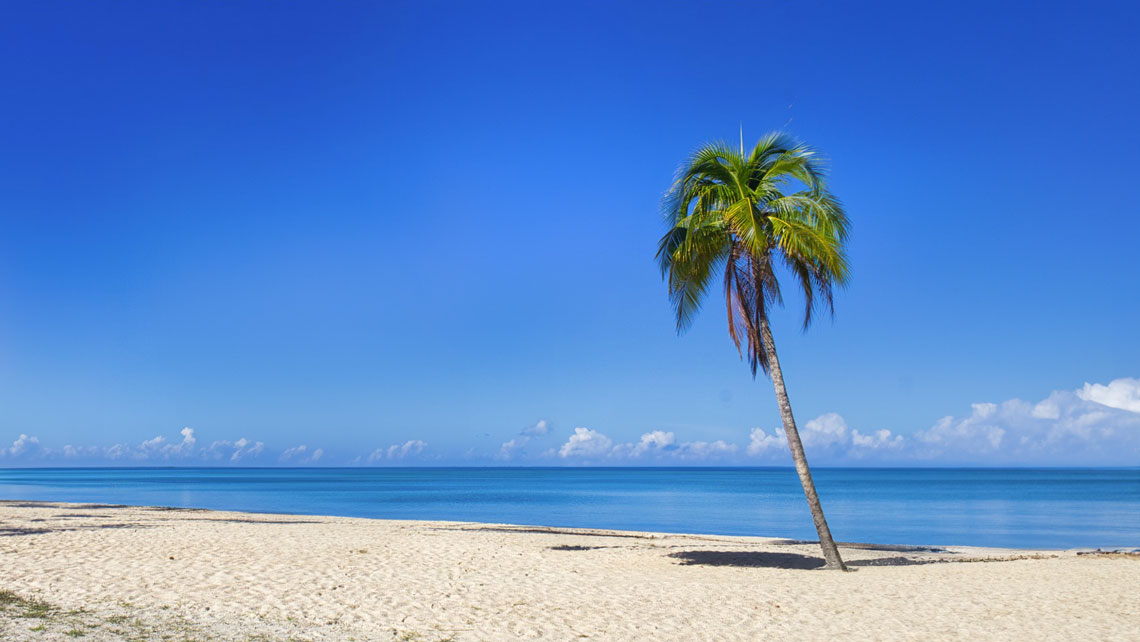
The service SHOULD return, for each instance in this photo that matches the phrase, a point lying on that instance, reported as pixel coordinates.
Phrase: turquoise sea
(1026, 508)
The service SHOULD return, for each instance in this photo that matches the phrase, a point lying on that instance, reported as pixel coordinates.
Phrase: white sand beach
(99, 572)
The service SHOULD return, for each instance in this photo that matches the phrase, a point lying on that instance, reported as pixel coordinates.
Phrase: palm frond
(739, 213)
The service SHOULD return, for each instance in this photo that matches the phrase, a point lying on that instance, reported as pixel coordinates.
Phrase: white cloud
(161, 449)
(655, 441)
(1049, 408)
(410, 447)
(761, 442)
(510, 447)
(1123, 394)
(702, 450)
(881, 438)
(825, 431)
(118, 451)
(301, 455)
(185, 447)
(538, 429)
(586, 443)
(1095, 425)
(827, 438)
(396, 452)
(977, 434)
(516, 445)
(233, 451)
(158, 446)
(25, 447)
(78, 452)
(657, 446)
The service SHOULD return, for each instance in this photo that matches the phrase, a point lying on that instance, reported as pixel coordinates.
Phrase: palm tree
(747, 216)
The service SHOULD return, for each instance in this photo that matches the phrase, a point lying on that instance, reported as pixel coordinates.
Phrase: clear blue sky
(358, 225)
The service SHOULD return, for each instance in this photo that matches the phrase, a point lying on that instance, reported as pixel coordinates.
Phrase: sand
(150, 573)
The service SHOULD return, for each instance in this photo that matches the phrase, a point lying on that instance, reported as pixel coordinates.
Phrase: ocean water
(1025, 508)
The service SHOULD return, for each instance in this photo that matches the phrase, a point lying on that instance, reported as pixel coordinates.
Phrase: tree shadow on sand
(17, 531)
(763, 559)
(748, 559)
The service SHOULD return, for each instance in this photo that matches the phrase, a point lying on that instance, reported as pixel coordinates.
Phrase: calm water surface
(1027, 508)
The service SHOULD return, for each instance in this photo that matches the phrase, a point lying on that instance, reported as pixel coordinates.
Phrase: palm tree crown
(747, 215)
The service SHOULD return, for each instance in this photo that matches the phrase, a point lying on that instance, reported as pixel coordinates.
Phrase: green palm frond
(740, 214)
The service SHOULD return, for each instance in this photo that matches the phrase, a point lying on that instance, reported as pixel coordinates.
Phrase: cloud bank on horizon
(1097, 424)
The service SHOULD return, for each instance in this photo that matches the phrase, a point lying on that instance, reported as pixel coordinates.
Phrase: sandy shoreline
(153, 573)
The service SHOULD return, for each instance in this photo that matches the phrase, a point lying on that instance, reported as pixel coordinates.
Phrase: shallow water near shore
(1015, 508)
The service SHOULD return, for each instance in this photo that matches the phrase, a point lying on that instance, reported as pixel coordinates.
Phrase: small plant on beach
(29, 608)
(745, 219)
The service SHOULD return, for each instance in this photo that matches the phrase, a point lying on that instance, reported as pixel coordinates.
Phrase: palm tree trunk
(830, 550)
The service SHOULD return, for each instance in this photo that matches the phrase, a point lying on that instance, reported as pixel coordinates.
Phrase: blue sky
(403, 233)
